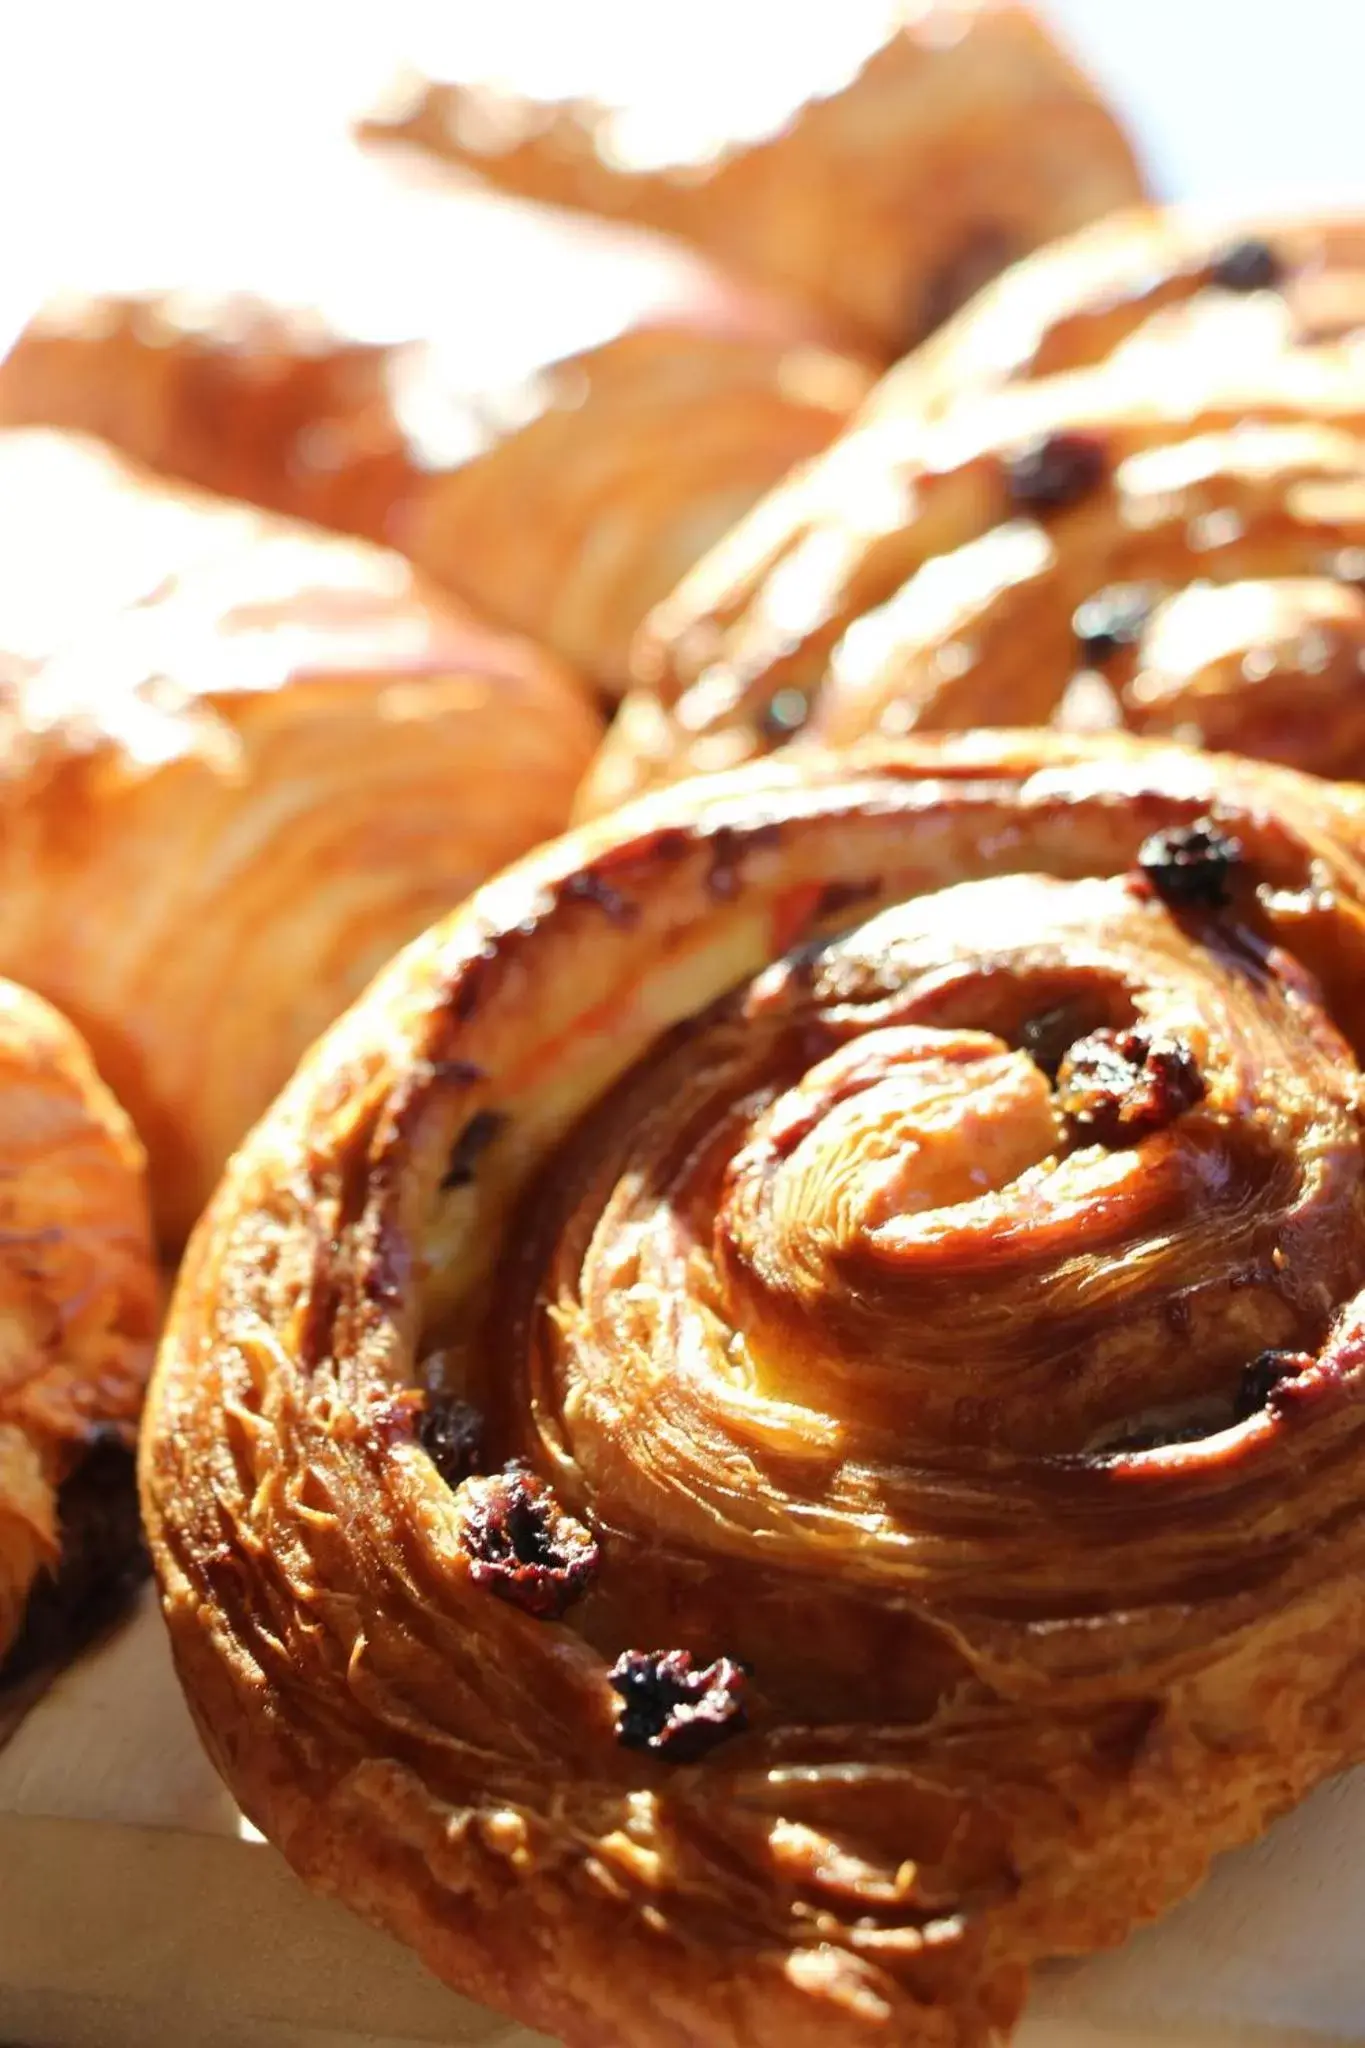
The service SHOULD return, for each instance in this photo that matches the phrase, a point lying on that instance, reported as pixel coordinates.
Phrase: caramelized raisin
(1054, 471)
(450, 1431)
(523, 1546)
(1268, 1370)
(1191, 866)
(1116, 1086)
(674, 1708)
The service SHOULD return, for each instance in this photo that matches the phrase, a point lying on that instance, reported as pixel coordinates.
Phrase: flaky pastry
(79, 1297)
(770, 1430)
(271, 758)
(881, 164)
(551, 417)
(1138, 460)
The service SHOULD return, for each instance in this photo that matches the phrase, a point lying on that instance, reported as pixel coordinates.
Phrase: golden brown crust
(78, 1281)
(916, 153)
(444, 358)
(1155, 405)
(712, 1164)
(270, 758)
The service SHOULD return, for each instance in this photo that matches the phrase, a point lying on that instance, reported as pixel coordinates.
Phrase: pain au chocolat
(770, 1430)
(1125, 487)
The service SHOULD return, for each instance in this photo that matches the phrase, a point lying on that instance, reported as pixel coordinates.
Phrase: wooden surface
(137, 1907)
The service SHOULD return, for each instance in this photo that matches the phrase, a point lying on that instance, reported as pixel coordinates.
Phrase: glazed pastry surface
(770, 1429)
(1125, 487)
(78, 1289)
(264, 758)
(553, 418)
(882, 165)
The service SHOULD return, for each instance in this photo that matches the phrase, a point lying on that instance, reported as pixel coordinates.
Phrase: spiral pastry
(770, 1429)
(79, 1299)
(881, 165)
(1137, 460)
(265, 758)
(380, 346)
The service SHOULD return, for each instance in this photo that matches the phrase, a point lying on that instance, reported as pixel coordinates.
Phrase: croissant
(881, 166)
(770, 1430)
(1137, 460)
(79, 1298)
(233, 793)
(552, 418)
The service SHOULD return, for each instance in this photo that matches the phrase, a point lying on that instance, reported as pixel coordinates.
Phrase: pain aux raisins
(1113, 619)
(1116, 1086)
(1268, 1370)
(673, 1707)
(1056, 470)
(1250, 265)
(522, 1545)
(450, 1431)
(1192, 866)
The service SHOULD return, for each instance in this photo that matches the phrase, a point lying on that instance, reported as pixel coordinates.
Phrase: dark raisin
(674, 1708)
(1250, 265)
(785, 713)
(1115, 1086)
(473, 1141)
(1268, 1370)
(1054, 471)
(1114, 619)
(586, 887)
(450, 1431)
(1191, 866)
(523, 1546)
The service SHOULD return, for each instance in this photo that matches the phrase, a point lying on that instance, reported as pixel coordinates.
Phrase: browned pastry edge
(433, 1752)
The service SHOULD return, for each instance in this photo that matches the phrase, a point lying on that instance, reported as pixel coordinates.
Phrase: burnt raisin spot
(587, 887)
(1116, 1086)
(473, 1141)
(674, 1708)
(1268, 1370)
(450, 1431)
(1250, 265)
(1113, 619)
(1191, 866)
(523, 1547)
(784, 715)
(1054, 471)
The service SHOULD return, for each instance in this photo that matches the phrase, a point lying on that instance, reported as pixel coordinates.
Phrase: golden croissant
(881, 164)
(79, 1299)
(770, 1430)
(1138, 460)
(551, 417)
(243, 761)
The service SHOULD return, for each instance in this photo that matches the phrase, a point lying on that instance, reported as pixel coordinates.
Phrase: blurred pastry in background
(79, 1300)
(879, 160)
(237, 777)
(552, 417)
(1125, 487)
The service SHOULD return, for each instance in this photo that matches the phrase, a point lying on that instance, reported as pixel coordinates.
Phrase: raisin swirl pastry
(553, 418)
(1139, 458)
(79, 1301)
(881, 165)
(770, 1430)
(241, 761)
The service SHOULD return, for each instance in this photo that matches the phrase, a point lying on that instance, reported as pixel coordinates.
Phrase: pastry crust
(78, 1284)
(882, 167)
(265, 758)
(1139, 458)
(551, 417)
(711, 1164)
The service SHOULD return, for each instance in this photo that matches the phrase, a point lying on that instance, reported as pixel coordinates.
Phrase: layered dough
(551, 417)
(770, 1429)
(243, 761)
(1125, 487)
(881, 165)
(78, 1289)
